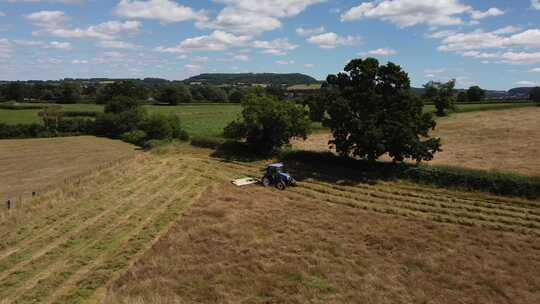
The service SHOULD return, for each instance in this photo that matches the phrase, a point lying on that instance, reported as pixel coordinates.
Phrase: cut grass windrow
(99, 211)
(73, 208)
(97, 253)
(74, 243)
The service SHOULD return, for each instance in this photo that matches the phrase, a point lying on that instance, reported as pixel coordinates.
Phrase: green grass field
(198, 119)
(207, 119)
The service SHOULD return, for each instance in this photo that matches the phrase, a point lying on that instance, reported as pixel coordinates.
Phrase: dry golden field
(347, 242)
(30, 165)
(168, 227)
(505, 140)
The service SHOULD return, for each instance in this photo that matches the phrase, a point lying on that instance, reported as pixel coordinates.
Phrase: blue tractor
(275, 176)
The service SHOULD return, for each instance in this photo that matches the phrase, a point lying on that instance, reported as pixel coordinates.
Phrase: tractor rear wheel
(266, 181)
(281, 186)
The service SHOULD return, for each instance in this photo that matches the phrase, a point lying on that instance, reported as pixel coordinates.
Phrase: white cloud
(163, 10)
(332, 40)
(305, 32)
(2, 14)
(535, 70)
(117, 44)
(492, 12)
(49, 1)
(79, 61)
(66, 46)
(6, 49)
(535, 4)
(193, 67)
(104, 31)
(309, 65)
(285, 62)
(520, 57)
(382, 52)
(507, 30)
(526, 83)
(249, 18)
(241, 57)
(217, 41)
(479, 39)
(47, 19)
(278, 47)
(406, 13)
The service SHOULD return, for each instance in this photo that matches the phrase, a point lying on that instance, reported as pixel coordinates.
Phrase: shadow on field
(329, 167)
(239, 151)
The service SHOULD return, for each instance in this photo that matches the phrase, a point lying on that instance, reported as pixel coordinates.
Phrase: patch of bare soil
(29, 165)
(506, 140)
(255, 245)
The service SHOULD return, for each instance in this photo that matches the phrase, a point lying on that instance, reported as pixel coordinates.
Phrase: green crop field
(207, 119)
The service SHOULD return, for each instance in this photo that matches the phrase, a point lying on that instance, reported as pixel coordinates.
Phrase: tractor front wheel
(266, 181)
(281, 186)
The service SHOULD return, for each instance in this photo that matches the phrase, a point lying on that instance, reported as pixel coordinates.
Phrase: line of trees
(172, 93)
(369, 108)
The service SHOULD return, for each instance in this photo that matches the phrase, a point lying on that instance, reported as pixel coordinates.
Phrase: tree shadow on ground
(331, 168)
(239, 151)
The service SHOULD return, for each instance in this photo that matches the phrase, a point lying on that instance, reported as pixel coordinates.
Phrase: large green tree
(70, 92)
(175, 94)
(475, 93)
(534, 95)
(267, 123)
(375, 113)
(441, 95)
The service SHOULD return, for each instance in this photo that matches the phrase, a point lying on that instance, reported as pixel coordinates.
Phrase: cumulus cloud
(526, 83)
(506, 45)
(117, 44)
(6, 49)
(49, 1)
(332, 40)
(166, 11)
(48, 19)
(382, 52)
(245, 17)
(406, 13)
(278, 47)
(492, 12)
(217, 41)
(2, 14)
(309, 65)
(305, 32)
(535, 70)
(66, 46)
(535, 4)
(285, 62)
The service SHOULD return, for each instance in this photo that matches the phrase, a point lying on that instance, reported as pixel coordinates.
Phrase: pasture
(206, 120)
(198, 119)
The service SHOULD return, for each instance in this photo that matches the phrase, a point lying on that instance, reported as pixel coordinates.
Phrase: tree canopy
(375, 113)
(535, 95)
(268, 123)
(441, 95)
(475, 93)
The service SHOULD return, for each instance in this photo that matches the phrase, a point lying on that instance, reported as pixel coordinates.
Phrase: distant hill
(252, 78)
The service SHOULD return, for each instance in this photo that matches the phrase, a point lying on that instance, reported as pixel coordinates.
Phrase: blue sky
(492, 43)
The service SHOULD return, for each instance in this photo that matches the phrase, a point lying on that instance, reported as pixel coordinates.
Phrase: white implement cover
(244, 181)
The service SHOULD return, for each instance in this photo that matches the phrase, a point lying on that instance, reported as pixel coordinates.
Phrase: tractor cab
(276, 176)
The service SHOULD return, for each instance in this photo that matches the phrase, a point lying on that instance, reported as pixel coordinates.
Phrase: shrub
(15, 106)
(164, 127)
(81, 113)
(76, 126)
(207, 142)
(121, 104)
(114, 125)
(136, 137)
(441, 95)
(534, 95)
(267, 124)
(22, 131)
